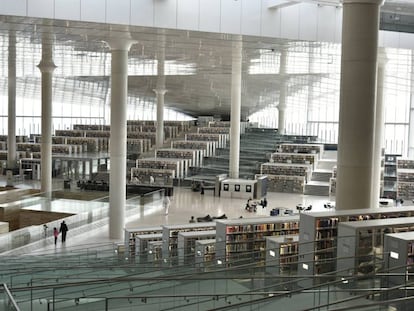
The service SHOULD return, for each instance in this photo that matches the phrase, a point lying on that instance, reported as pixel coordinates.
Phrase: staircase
(254, 150)
(319, 183)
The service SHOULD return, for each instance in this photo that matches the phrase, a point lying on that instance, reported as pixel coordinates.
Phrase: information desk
(238, 188)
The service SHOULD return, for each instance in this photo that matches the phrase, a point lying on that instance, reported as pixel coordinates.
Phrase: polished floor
(184, 204)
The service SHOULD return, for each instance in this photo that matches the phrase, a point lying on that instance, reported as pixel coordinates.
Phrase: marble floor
(184, 204)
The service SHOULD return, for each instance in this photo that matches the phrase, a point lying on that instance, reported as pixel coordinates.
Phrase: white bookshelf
(240, 240)
(186, 244)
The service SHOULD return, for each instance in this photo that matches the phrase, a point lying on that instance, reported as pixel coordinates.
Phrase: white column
(160, 90)
(282, 108)
(11, 117)
(357, 103)
(159, 141)
(379, 130)
(235, 113)
(411, 119)
(46, 67)
(282, 93)
(118, 136)
(312, 71)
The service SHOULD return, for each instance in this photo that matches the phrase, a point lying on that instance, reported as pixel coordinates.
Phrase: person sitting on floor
(250, 205)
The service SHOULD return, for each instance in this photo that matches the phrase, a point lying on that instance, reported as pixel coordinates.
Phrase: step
(327, 164)
(321, 175)
(317, 188)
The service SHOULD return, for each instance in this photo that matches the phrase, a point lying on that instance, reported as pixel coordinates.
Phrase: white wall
(303, 21)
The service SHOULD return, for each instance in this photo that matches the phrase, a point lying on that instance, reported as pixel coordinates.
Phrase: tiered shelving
(302, 148)
(399, 248)
(142, 176)
(187, 243)
(361, 243)
(390, 176)
(295, 158)
(244, 239)
(318, 235)
(282, 254)
(205, 253)
(141, 245)
(170, 237)
(130, 237)
(209, 148)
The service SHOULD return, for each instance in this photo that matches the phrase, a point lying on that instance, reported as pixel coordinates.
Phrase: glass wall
(313, 95)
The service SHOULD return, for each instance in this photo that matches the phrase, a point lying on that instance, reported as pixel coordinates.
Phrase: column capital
(121, 43)
(377, 2)
(160, 91)
(382, 57)
(46, 66)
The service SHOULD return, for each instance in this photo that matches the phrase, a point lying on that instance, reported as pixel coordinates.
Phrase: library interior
(207, 155)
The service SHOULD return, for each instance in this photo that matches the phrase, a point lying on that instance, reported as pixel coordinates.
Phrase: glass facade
(313, 109)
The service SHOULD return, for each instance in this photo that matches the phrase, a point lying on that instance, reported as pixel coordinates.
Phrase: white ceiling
(201, 81)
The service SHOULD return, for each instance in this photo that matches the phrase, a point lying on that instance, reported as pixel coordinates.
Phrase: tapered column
(357, 103)
(235, 112)
(379, 130)
(282, 108)
(11, 138)
(160, 93)
(160, 90)
(411, 119)
(46, 67)
(118, 135)
(282, 93)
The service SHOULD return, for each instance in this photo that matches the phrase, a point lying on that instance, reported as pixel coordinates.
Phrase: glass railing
(101, 278)
(7, 301)
(182, 287)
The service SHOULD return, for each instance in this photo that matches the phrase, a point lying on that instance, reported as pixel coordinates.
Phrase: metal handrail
(10, 296)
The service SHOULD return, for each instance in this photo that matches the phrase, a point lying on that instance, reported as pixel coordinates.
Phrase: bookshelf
(191, 154)
(289, 184)
(19, 138)
(214, 130)
(318, 233)
(180, 166)
(295, 158)
(70, 133)
(154, 251)
(170, 237)
(399, 248)
(130, 234)
(91, 127)
(361, 243)
(143, 135)
(219, 124)
(302, 148)
(405, 183)
(209, 148)
(162, 177)
(285, 169)
(282, 254)
(390, 176)
(205, 253)
(332, 187)
(141, 245)
(405, 163)
(220, 140)
(186, 244)
(241, 240)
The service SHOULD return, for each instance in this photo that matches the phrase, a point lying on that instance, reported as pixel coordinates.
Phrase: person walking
(55, 234)
(166, 202)
(63, 229)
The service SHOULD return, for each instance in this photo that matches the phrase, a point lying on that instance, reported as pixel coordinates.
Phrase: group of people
(62, 229)
(251, 204)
